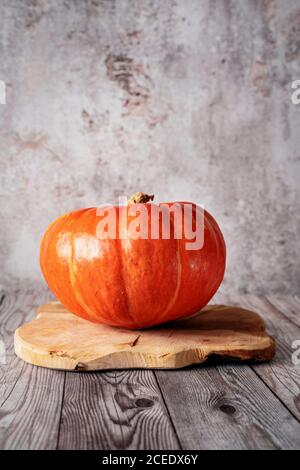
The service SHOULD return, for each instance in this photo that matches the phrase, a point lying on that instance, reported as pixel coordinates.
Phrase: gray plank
(280, 374)
(211, 407)
(226, 407)
(115, 410)
(287, 306)
(30, 397)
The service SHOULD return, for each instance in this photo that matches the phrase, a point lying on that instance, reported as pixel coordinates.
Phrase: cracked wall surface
(188, 100)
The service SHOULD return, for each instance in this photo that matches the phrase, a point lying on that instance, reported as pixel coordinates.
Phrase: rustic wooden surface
(213, 406)
(60, 340)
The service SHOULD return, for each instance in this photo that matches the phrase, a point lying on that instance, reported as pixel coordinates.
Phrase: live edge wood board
(58, 339)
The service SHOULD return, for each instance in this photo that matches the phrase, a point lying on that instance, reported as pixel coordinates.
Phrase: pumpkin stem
(140, 198)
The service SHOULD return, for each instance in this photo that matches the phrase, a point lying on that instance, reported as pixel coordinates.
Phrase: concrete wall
(188, 99)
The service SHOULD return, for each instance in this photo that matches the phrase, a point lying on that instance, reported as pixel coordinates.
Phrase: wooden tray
(60, 340)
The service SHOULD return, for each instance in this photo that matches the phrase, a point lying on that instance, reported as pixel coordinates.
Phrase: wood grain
(115, 410)
(31, 398)
(289, 307)
(226, 407)
(61, 340)
(281, 374)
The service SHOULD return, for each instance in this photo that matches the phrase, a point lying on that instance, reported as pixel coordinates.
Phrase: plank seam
(116, 409)
(281, 313)
(2, 299)
(13, 387)
(61, 410)
(168, 412)
(275, 395)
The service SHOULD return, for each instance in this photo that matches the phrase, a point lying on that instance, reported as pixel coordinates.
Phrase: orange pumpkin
(130, 282)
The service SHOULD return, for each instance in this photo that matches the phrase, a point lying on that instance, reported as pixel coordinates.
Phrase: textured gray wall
(188, 99)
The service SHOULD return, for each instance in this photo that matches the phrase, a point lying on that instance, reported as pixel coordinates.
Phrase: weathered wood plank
(30, 397)
(226, 407)
(288, 306)
(280, 374)
(115, 410)
(211, 407)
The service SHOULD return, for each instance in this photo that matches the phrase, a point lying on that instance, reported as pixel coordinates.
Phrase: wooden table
(215, 406)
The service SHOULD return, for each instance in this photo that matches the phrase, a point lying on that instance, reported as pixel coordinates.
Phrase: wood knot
(228, 409)
(144, 403)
